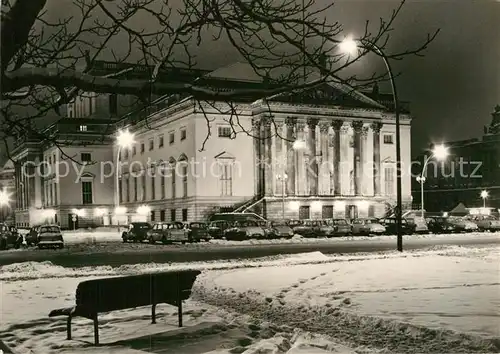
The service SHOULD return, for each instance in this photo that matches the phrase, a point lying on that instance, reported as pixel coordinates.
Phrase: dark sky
(453, 89)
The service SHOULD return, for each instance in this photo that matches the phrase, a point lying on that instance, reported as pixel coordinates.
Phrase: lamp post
(283, 179)
(484, 195)
(350, 46)
(440, 152)
(124, 140)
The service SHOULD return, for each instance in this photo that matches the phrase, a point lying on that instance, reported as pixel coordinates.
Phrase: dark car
(280, 229)
(391, 226)
(216, 228)
(8, 238)
(197, 231)
(242, 230)
(304, 228)
(136, 232)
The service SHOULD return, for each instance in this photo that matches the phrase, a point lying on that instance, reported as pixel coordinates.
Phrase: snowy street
(440, 300)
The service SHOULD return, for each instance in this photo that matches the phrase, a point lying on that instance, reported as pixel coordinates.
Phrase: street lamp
(349, 46)
(124, 140)
(440, 152)
(484, 195)
(283, 179)
(4, 197)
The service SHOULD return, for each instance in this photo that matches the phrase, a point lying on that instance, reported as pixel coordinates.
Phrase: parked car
(295, 225)
(32, 236)
(50, 236)
(197, 231)
(340, 227)
(367, 226)
(168, 232)
(462, 224)
(418, 225)
(216, 228)
(136, 232)
(242, 230)
(178, 232)
(8, 238)
(441, 224)
(486, 222)
(280, 229)
(324, 228)
(391, 227)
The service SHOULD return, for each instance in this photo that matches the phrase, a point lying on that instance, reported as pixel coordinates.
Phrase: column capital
(376, 126)
(364, 131)
(357, 126)
(312, 122)
(337, 124)
(266, 121)
(301, 124)
(323, 127)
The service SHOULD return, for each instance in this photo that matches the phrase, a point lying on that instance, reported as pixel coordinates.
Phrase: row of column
(295, 131)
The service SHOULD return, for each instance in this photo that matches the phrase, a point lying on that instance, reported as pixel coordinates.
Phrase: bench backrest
(109, 294)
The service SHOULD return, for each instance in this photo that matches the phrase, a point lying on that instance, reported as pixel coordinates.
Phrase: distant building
(343, 166)
(7, 184)
(472, 166)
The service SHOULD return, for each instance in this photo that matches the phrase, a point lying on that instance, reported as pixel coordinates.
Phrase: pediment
(224, 156)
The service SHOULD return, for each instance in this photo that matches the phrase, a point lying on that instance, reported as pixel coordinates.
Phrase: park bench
(119, 293)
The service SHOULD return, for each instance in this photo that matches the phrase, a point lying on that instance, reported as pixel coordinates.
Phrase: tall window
(389, 180)
(143, 185)
(160, 141)
(388, 139)
(86, 157)
(226, 179)
(162, 215)
(183, 134)
(127, 189)
(184, 214)
(162, 184)
(172, 214)
(135, 188)
(171, 138)
(151, 144)
(51, 194)
(142, 148)
(184, 182)
(87, 192)
(173, 183)
(224, 132)
(55, 193)
(153, 181)
(113, 104)
(134, 150)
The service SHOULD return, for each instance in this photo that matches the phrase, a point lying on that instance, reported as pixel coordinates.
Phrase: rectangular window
(389, 180)
(83, 128)
(388, 139)
(184, 182)
(225, 132)
(162, 187)
(125, 154)
(173, 185)
(151, 144)
(142, 148)
(51, 194)
(172, 214)
(160, 141)
(183, 134)
(55, 194)
(135, 188)
(127, 189)
(152, 215)
(226, 179)
(184, 214)
(162, 215)
(87, 192)
(153, 181)
(134, 151)
(86, 157)
(171, 138)
(143, 185)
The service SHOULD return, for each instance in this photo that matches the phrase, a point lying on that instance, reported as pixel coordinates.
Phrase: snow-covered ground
(443, 300)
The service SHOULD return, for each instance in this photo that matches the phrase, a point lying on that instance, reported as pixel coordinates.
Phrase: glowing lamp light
(143, 210)
(120, 210)
(4, 197)
(484, 194)
(294, 205)
(79, 212)
(440, 152)
(125, 139)
(348, 46)
(299, 145)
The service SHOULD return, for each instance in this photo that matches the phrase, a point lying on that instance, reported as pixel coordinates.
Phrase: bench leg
(179, 312)
(68, 327)
(153, 314)
(96, 330)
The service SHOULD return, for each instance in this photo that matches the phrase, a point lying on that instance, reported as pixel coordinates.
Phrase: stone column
(300, 178)
(290, 155)
(323, 160)
(336, 125)
(257, 156)
(279, 156)
(364, 169)
(268, 165)
(376, 157)
(357, 126)
(312, 167)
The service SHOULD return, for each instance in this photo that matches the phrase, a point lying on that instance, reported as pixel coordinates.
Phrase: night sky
(453, 89)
